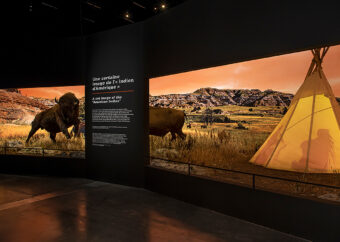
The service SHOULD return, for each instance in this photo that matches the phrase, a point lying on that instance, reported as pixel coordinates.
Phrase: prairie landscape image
(40, 112)
(220, 118)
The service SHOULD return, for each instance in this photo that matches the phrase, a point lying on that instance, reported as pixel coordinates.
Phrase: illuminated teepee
(307, 139)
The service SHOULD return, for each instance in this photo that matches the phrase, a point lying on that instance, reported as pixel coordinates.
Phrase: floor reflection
(164, 228)
(31, 226)
(95, 211)
(81, 218)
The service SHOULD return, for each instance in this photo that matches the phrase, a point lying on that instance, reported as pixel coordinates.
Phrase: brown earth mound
(213, 97)
(19, 109)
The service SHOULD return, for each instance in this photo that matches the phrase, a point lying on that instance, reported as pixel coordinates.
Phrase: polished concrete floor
(68, 209)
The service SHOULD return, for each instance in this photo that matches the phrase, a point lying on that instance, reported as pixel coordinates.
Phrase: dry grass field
(216, 146)
(222, 145)
(13, 137)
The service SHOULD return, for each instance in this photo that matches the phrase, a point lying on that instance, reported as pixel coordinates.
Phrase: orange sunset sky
(283, 73)
(52, 92)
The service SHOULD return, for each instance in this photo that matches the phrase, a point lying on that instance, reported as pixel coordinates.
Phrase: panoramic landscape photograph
(44, 121)
(276, 117)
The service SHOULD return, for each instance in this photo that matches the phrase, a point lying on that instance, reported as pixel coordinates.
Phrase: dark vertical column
(116, 96)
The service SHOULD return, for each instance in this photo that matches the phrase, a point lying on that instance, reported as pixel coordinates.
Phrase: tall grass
(215, 147)
(16, 135)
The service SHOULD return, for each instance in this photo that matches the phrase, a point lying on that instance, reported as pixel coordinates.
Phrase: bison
(58, 118)
(165, 120)
(81, 129)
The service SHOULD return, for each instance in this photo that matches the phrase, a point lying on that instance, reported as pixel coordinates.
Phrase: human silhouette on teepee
(307, 139)
(323, 138)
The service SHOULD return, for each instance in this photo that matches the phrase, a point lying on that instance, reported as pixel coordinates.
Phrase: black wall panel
(200, 34)
(119, 52)
(29, 61)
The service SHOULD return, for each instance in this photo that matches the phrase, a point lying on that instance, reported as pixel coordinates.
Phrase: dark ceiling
(66, 18)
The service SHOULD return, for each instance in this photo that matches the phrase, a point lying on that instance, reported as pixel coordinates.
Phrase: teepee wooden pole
(324, 52)
(318, 61)
(311, 67)
(310, 133)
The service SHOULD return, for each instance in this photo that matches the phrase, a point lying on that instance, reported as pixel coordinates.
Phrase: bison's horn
(55, 99)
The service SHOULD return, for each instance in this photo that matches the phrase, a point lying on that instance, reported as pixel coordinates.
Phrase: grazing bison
(165, 120)
(58, 118)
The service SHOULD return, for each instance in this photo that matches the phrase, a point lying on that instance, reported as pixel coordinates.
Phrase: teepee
(307, 139)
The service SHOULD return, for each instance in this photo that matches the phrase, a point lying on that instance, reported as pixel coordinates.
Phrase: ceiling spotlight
(163, 6)
(127, 17)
